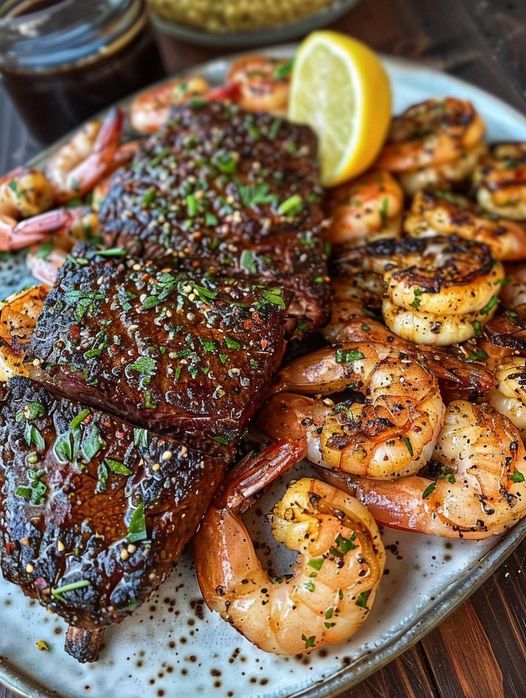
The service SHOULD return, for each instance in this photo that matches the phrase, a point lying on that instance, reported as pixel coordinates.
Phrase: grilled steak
(158, 348)
(223, 190)
(93, 512)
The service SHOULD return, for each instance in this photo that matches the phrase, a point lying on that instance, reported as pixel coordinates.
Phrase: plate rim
(471, 578)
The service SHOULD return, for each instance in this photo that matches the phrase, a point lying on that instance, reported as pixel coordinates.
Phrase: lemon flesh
(341, 90)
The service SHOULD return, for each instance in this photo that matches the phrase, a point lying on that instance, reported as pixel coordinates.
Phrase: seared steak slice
(159, 348)
(227, 191)
(93, 512)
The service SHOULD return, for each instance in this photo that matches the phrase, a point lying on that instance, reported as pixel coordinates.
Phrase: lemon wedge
(341, 90)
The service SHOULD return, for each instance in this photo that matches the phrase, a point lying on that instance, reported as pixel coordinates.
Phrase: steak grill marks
(226, 191)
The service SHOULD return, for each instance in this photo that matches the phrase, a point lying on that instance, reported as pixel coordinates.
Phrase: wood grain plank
(472, 655)
(407, 677)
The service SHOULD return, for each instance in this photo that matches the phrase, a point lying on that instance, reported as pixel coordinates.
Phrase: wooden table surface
(480, 650)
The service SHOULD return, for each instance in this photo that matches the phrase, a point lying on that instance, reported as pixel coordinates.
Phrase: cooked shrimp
(438, 290)
(477, 489)
(509, 395)
(433, 142)
(16, 235)
(73, 225)
(18, 316)
(150, 110)
(338, 569)
(85, 159)
(390, 432)
(264, 82)
(352, 321)
(24, 193)
(367, 207)
(444, 213)
(500, 181)
(513, 294)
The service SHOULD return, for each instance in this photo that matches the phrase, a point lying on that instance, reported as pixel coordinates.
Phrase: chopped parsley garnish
(273, 295)
(329, 613)
(225, 163)
(57, 592)
(346, 356)
(82, 301)
(477, 355)
(63, 448)
(384, 210)
(316, 562)
(137, 525)
(32, 410)
(517, 476)
(232, 343)
(146, 366)
(416, 301)
(346, 544)
(428, 490)
(257, 194)
(102, 476)
(310, 586)
(191, 205)
(247, 261)
(291, 206)
(92, 442)
(148, 197)
(36, 490)
(222, 440)
(140, 437)
(284, 70)
(33, 436)
(112, 252)
(477, 327)
(309, 641)
(45, 250)
(274, 128)
(361, 600)
(492, 303)
(117, 467)
(77, 421)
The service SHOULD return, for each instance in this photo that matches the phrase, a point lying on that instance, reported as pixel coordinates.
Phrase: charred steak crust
(229, 191)
(93, 512)
(157, 347)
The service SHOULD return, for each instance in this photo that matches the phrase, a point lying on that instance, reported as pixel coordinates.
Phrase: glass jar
(63, 60)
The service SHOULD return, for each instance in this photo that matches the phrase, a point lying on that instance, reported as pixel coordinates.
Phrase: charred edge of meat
(82, 644)
(93, 512)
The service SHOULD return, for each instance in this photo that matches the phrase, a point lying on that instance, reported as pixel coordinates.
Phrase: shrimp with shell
(356, 306)
(338, 568)
(500, 181)
(151, 108)
(474, 488)
(438, 290)
(365, 208)
(388, 425)
(436, 212)
(433, 144)
(263, 83)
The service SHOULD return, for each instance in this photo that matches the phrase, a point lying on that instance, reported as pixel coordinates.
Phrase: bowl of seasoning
(237, 23)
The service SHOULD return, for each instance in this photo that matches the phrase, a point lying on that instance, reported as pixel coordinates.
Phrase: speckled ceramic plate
(174, 647)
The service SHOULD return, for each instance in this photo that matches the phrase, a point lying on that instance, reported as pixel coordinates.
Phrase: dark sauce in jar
(62, 81)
